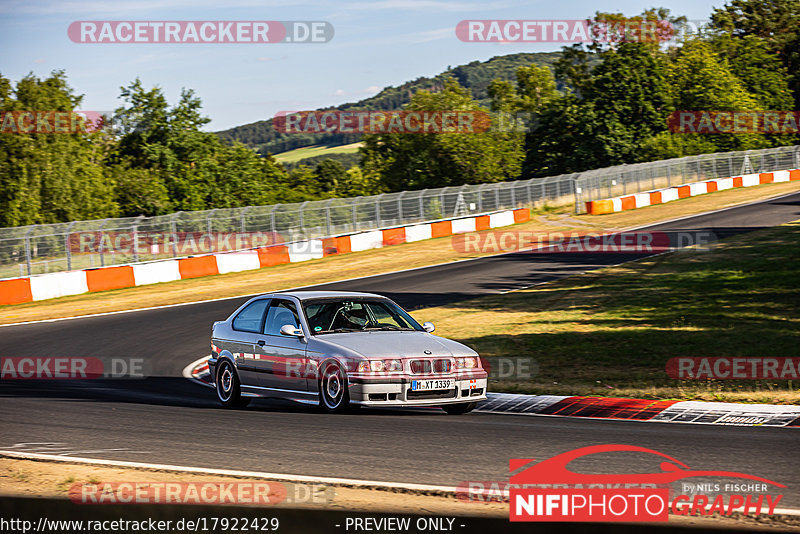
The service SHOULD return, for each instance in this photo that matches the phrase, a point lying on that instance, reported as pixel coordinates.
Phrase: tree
(774, 21)
(419, 160)
(700, 80)
(197, 170)
(624, 102)
(50, 177)
(330, 174)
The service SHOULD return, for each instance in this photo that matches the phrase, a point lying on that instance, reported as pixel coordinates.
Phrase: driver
(357, 317)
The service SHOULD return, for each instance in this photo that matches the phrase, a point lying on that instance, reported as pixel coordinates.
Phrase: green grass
(317, 150)
(611, 332)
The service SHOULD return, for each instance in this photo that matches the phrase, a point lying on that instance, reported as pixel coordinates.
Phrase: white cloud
(413, 4)
(433, 35)
(96, 7)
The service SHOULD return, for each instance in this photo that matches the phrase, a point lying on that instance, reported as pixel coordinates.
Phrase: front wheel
(229, 390)
(459, 408)
(333, 394)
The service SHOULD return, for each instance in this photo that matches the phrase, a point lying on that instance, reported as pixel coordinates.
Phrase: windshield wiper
(387, 327)
(338, 331)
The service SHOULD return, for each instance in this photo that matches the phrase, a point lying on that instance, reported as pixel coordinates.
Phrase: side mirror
(291, 330)
(428, 326)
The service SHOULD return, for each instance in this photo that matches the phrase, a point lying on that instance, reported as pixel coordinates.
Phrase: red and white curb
(661, 196)
(662, 411)
(60, 284)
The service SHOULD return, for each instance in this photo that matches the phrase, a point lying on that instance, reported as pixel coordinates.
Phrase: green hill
(474, 76)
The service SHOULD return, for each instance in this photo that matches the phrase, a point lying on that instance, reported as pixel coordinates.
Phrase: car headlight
(377, 366)
(466, 363)
(392, 365)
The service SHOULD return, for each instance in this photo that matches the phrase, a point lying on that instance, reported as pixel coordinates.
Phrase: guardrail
(61, 284)
(37, 249)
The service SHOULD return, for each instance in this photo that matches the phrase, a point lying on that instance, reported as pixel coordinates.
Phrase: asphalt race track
(167, 419)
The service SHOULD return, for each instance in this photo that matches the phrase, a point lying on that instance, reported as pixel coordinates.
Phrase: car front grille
(432, 394)
(432, 366)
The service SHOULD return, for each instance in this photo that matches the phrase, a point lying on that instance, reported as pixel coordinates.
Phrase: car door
(281, 359)
(247, 328)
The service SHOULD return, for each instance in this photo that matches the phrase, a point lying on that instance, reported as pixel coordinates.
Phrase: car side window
(249, 319)
(281, 312)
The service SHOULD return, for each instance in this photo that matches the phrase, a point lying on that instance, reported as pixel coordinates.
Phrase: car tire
(228, 387)
(459, 408)
(334, 396)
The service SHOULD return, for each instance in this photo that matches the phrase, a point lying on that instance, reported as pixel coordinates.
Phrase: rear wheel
(229, 391)
(333, 394)
(459, 408)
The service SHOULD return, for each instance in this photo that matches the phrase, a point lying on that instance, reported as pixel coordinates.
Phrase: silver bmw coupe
(340, 350)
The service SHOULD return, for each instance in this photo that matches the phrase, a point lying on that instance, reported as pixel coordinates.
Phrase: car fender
(215, 359)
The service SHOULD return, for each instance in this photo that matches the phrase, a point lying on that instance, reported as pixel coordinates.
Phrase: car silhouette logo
(554, 470)
(427, 352)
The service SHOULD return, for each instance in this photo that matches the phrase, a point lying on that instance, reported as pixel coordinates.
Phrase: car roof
(306, 295)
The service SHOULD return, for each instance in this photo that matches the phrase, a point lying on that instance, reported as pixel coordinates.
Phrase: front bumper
(397, 391)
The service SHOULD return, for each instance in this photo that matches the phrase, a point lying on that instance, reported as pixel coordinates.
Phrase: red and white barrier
(660, 196)
(53, 285)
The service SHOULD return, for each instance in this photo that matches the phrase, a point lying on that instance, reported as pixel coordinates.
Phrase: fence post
(355, 214)
(28, 249)
(136, 238)
(530, 195)
(242, 220)
(302, 219)
(173, 227)
(378, 210)
(66, 246)
(272, 219)
(100, 248)
(400, 207)
(328, 217)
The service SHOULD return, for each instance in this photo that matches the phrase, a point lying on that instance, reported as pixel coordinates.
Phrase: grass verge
(297, 154)
(610, 332)
(370, 262)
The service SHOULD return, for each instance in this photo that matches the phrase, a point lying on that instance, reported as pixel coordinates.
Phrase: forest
(588, 106)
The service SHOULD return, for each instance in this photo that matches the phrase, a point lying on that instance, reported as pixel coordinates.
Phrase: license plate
(425, 385)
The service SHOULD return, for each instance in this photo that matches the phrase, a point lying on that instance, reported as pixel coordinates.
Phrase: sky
(375, 44)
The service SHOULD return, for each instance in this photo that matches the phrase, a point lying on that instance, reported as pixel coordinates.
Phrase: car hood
(378, 344)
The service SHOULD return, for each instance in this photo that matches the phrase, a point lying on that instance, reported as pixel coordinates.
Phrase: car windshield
(327, 316)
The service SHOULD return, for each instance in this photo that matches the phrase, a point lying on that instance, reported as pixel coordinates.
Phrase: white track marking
(386, 273)
(280, 477)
